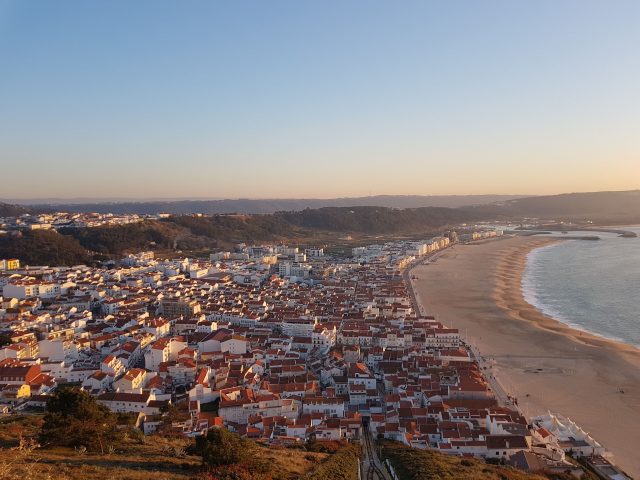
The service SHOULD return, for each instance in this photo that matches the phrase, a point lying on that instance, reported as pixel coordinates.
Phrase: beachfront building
(565, 434)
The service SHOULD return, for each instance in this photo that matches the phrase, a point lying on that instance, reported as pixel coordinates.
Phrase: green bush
(75, 419)
(221, 447)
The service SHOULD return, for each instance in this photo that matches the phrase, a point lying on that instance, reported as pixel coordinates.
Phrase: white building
(294, 269)
(29, 289)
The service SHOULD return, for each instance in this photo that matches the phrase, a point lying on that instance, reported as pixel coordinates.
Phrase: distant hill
(600, 207)
(186, 233)
(267, 206)
(617, 207)
(10, 210)
(376, 220)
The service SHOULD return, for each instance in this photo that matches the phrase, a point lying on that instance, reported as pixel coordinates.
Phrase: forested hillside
(377, 220)
(43, 247)
(189, 233)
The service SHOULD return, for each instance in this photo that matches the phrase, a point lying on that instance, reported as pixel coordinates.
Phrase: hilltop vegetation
(235, 228)
(43, 247)
(130, 238)
(73, 246)
(182, 233)
(377, 220)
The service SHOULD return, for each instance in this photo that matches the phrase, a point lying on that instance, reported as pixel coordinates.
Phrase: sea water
(590, 285)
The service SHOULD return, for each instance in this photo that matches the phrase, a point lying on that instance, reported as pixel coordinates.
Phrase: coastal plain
(545, 364)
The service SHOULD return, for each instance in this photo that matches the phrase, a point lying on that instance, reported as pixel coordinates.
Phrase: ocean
(592, 286)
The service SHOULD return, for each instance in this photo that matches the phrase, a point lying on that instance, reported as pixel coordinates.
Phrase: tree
(221, 447)
(175, 413)
(5, 339)
(74, 418)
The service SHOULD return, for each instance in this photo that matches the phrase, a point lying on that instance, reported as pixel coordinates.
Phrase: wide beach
(547, 365)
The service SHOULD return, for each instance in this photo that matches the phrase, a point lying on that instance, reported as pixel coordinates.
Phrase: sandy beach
(547, 365)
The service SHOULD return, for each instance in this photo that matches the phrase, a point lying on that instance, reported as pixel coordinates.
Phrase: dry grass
(136, 462)
(15, 427)
(158, 458)
(130, 461)
(289, 464)
(414, 464)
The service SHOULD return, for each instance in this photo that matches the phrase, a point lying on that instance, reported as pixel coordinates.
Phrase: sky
(317, 99)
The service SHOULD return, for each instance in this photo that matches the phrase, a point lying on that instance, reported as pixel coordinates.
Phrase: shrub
(221, 447)
(75, 419)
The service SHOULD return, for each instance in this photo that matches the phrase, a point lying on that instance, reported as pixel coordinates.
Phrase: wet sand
(477, 289)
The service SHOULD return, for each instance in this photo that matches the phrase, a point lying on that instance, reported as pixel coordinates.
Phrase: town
(61, 220)
(276, 343)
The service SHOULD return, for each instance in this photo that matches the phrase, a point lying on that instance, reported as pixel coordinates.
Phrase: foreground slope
(156, 457)
(413, 464)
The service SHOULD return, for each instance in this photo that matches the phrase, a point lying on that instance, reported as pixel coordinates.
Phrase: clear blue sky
(317, 99)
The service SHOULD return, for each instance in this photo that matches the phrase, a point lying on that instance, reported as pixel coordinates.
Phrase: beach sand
(477, 289)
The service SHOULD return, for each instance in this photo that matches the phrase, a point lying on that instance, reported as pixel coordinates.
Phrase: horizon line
(91, 200)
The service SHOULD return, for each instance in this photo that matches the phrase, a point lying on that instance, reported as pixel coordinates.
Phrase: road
(487, 371)
(406, 275)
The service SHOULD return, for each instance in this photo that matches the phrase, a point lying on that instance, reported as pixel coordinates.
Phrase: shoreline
(545, 363)
(528, 294)
(542, 319)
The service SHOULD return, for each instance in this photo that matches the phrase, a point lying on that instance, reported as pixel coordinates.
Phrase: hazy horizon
(305, 100)
(87, 200)
(213, 199)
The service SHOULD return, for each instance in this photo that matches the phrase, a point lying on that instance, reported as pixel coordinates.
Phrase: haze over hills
(12, 210)
(616, 207)
(265, 206)
(324, 225)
